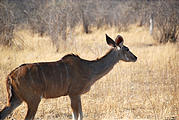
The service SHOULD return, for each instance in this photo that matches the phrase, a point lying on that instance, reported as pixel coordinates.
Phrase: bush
(167, 21)
(58, 17)
(6, 25)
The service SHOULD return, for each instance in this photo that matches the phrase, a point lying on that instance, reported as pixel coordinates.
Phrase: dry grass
(147, 89)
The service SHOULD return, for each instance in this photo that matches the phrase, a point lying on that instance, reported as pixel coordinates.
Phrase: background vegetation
(58, 18)
(46, 30)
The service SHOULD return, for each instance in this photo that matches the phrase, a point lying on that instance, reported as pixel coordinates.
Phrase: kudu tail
(12, 100)
(9, 90)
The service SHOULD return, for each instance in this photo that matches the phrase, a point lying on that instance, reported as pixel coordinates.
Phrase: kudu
(71, 76)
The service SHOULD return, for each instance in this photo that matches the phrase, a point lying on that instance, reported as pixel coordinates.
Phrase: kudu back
(71, 76)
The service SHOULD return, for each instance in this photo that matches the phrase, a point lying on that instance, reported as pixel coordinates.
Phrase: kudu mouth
(131, 57)
(134, 58)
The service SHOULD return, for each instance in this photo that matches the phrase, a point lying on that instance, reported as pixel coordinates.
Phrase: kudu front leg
(76, 107)
(32, 108)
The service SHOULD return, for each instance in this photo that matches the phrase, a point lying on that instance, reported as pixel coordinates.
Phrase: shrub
(167, 21)
(6, 25)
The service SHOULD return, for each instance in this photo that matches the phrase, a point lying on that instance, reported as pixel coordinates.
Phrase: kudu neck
(102, 66)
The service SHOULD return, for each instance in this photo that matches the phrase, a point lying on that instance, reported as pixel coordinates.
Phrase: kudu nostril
(135, 58)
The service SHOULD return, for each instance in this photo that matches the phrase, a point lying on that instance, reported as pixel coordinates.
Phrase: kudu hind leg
(76, 107)
(32, 108)
(13, 102)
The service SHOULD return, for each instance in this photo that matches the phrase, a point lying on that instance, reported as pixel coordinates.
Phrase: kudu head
(124, 53)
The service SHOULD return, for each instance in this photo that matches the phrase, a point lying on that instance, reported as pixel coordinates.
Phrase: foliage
(6, 25)
(167, 21)
(58, 18)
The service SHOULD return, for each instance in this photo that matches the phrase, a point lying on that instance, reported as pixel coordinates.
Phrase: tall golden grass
(147, 89)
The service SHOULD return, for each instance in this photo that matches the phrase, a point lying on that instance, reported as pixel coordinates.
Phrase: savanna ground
(146, 89)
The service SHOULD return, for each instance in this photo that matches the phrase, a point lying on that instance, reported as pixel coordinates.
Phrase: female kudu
(71, 76)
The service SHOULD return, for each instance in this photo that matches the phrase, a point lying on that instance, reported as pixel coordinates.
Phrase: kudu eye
(127, 49)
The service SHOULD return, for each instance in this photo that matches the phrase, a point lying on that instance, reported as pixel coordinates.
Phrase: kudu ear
(110, 41)
(119, 41)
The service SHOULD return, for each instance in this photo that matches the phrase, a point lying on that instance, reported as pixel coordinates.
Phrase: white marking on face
(126, 57)
(118, 48)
